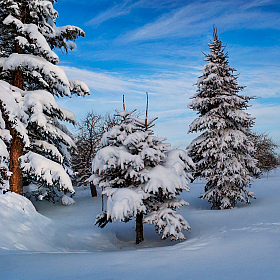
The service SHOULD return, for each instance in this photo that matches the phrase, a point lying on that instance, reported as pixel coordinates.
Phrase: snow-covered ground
(62, 242)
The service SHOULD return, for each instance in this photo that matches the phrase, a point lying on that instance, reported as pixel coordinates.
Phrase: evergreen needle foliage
(141, 177)
(223, 153)
(34, 142)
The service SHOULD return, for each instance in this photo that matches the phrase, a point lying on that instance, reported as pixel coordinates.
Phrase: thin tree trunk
(139, 228)
(93, 190)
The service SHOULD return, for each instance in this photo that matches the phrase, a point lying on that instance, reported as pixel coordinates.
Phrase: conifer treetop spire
(123, 103)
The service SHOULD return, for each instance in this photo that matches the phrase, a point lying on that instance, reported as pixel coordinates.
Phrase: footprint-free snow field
(62, 242)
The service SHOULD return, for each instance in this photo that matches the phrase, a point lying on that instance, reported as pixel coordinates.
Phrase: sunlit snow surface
(240, 243)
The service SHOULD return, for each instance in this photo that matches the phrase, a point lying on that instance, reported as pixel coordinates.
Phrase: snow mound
(22, 227)
(66, 200)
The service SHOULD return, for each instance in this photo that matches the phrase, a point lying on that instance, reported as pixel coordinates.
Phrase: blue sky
(134, 47)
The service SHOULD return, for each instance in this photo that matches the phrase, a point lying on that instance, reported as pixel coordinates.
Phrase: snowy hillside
(62, 242)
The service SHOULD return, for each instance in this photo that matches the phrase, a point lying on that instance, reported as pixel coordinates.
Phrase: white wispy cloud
(267, 119)
(115, 11)
(262, 84)
(168, 99)
(195, 18)
(122, 8)
(165, 83)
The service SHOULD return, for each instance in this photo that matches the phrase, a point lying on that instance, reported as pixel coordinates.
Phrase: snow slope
(63, 243)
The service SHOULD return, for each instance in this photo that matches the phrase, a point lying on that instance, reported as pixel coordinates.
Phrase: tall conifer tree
(223, 152)
(28, 35)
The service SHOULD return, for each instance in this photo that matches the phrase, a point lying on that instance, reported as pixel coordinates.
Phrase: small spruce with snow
(223, 152)
(30, 78)
(141, 178)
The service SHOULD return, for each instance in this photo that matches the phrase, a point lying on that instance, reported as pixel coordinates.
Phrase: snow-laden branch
(165, 180)
(115, 157)
(51, 75)
(167, 221)
(36, 40)
(41, 102)
(44, 170)
(12, 110)
(79, 88)
(124, 203)
(50, 149)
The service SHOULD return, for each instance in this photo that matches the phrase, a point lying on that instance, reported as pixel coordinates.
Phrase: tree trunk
(93, 190)
(16, 149)
(15, 153)
(18, 79)
(17, 145)
(139, 228)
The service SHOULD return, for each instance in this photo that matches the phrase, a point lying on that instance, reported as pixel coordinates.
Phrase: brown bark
(93, 190)
(15, 153)
(18, 79)
(18, 76)
(17, 145)
(139, 228)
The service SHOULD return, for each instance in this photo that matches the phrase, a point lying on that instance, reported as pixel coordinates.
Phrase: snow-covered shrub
(66, 200)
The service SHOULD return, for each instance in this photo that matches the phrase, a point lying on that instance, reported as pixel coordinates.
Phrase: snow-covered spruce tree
(223, 152)
(141, 178)
(27, 62)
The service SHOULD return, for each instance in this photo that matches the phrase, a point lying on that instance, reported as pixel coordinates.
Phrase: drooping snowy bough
(38, 144)
(223, 153)
(141, 178)
(42, 162)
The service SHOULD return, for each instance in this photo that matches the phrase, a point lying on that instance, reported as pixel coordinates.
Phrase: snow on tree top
(144, 122)
(125, 113)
